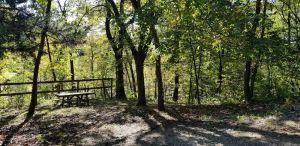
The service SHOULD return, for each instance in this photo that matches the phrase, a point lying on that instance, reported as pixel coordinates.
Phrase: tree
(33, 101)
(50, 59)
(202, 43)
(256, 65)
(17, 27)
(176, 88)
(117, 44)
(140, 50)
(160, 99)
(250, 47)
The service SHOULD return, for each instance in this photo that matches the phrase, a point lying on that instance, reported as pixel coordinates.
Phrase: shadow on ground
(123, 124)
(192, 132)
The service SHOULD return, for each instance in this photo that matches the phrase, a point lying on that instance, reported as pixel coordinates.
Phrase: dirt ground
(123, 124)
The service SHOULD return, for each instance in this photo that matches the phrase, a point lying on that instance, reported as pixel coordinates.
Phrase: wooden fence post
(77, 85)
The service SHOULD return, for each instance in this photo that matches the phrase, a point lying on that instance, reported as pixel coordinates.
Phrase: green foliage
(193, 35)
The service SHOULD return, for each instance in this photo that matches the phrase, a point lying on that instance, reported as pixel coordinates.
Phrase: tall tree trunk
(120, 91)
(289, 44)
(289, 29)
(256, 66)
(160, 87)
(297, 46)
(72, 70)
(270, 77)
(139, 61)
(50, 59)
(197, 95)
(155, 88)
(132, 73)
(139, 52)
(176, 88)
(139, 64)
(133, 78)
(33, 101)
(117, 47)
(253, 77)
(252, 36)
(92, 61)
(160, 99)
(297, 35)
(198, 74)
(72, 67)
(247, 74)
(190, 85)
(128, 77)
(221, 54)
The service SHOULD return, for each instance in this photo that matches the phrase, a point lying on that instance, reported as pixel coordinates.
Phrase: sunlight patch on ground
(189, 136)
(71, 111)
(292, 124)
(207, 118)
(276, 123)
(153, 138)
(18, 119)
(237, 133)
(269, 122)
(108, 132)
(202, 130)
(247, 119)
(165, 115)
(124, 130)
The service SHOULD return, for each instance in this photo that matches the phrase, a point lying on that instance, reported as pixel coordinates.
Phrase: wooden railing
(104, 84)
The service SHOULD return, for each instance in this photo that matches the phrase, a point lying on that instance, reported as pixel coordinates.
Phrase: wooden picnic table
(81, 97)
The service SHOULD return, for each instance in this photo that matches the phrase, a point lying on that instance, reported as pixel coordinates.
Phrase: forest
(149, 72)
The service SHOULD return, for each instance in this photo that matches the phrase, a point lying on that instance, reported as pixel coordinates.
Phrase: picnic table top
(73, 93)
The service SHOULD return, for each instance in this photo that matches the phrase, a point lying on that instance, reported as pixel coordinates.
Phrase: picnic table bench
(81, 97)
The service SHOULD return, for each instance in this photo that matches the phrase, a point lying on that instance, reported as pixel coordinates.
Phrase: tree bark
(33, 101)
(139, 61)
(155, 88)
(190, 84)
(221, 54)
(160, 88)
(50, 59)
(247, 75)
(176, 88)
(297, 35)
(128, 77)
(197, 95)
(253, 77)
(72, 67)
(92, 61)
(72, 70)
(289, 29)
(160, 98)
(120, 91)
(270, 77)
(132, 73)
(132, 78)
